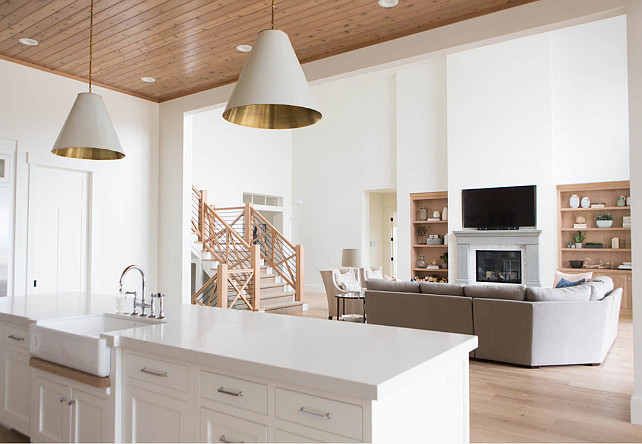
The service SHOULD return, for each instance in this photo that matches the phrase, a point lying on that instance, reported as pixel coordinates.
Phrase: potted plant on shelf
(604, 220)
(579, 238)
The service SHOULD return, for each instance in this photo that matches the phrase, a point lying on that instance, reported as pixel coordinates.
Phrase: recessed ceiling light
(244, 48)
(28, 42)
(388, 3)
(148, 79)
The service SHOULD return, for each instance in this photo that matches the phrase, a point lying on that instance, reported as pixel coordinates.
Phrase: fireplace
(500, 266)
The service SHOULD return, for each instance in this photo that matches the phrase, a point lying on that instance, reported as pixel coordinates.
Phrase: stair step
(286, 307)
(276, 298)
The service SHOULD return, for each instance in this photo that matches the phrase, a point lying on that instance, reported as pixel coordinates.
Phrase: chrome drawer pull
(315, 414)
(238, 394)
(228, 440)
(16, 338)
(159, 373)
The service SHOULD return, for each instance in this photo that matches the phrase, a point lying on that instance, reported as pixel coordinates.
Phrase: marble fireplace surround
(524, 240)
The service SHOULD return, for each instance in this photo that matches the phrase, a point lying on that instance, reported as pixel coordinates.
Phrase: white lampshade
(353, 258)
(272, 91)
(88, 132)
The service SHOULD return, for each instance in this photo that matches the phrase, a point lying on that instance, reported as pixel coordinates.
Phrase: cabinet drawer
(235, 392)
(16, 336)
(284, 436)
(156, 371)
(320, 413)
(220, 427)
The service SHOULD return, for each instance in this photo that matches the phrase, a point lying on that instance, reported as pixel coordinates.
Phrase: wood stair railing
(238, 238)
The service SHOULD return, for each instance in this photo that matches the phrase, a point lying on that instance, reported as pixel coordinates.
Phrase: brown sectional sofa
(518, 325)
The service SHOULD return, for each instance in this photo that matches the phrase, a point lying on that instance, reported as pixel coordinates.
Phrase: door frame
(8, 150)
(35, 160)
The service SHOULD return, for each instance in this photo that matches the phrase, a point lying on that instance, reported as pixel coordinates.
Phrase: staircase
(246, 260)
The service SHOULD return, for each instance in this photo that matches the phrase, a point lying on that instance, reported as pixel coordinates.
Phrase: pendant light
(272, 91)
(88, 132)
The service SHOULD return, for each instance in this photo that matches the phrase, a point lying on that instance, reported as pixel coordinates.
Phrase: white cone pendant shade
(272, 91)
(88, 132)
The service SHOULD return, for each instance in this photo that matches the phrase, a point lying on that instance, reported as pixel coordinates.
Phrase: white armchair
(333, 287)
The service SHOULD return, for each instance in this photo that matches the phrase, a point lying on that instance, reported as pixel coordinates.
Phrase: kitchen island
(216, 375)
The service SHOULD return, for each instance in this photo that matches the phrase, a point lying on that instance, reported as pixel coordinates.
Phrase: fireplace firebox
(500, 266)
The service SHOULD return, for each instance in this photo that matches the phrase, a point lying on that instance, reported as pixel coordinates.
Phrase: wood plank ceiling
(189, 45)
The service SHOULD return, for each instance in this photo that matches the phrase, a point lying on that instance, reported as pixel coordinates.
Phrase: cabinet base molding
(70, 373)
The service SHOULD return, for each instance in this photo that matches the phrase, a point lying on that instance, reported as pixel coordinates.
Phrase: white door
(390, 260)
(89, 417)
(58, 227)
(152, 417)
(50, 420)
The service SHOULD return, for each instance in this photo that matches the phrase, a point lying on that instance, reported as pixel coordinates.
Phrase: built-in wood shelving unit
(607, 193)
(435, 201)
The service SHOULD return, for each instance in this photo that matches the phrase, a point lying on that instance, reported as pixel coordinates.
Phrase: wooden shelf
(594, 270)
(596, 209)
(431, 269)
(607, 192)
(597, 229)
(623, 250)
(429, 246)
(430, 222)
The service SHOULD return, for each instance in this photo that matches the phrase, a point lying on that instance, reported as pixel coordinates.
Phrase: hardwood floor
(575, 403)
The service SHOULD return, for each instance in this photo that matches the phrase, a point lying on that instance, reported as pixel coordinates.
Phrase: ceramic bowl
(604, 223)
(576, 264)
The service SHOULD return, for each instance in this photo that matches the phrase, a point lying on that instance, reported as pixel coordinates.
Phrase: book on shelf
(626, 222)
(579, 226)
(625, 267)
(432, 267)
(598, 205)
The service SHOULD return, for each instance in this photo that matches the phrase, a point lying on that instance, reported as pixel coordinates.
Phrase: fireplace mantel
(525, 240)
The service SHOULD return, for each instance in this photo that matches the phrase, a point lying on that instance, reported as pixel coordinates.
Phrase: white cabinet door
(50, 420)
(89, 417)
(15, 389)
(153, 417)
(219, 427)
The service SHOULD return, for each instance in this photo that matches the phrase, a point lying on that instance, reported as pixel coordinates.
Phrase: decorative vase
(621, 201)
(574, 201)
(423, 213)
(604, 223)
(444, 213)
(578, 244)
(421, 263)
(436, 215)
(586, 202)
(579, 219)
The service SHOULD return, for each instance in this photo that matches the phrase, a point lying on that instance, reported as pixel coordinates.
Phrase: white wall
(351, 150)
(34, 106)
(422, 158)
(540, 110)
(228, 160)
(590, 102)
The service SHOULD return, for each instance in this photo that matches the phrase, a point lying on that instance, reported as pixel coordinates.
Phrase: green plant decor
(579, 237)
(444, 258)
(604, 216)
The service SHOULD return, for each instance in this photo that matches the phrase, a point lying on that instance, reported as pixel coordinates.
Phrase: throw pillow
(571, 277)
(563, 283)
(346, 281)
(373, 274)
(600, 287)
(578, 293)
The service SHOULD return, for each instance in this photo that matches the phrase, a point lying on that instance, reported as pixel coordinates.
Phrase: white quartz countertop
(25, 310)
(365, 361)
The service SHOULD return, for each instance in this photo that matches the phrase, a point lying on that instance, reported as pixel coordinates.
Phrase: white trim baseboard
(314, 288)
(636, 410)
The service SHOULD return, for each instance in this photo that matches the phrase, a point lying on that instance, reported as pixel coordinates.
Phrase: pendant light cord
(91, 41)
(273, 8)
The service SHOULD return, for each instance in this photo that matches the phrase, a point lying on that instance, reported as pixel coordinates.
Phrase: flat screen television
(505, 208)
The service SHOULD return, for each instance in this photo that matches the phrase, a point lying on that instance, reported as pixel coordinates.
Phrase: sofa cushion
(394, 286)
(443, 289)
(571, 277)
(541, 294)
(513, 292)
(600, 287)
(563, 283)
